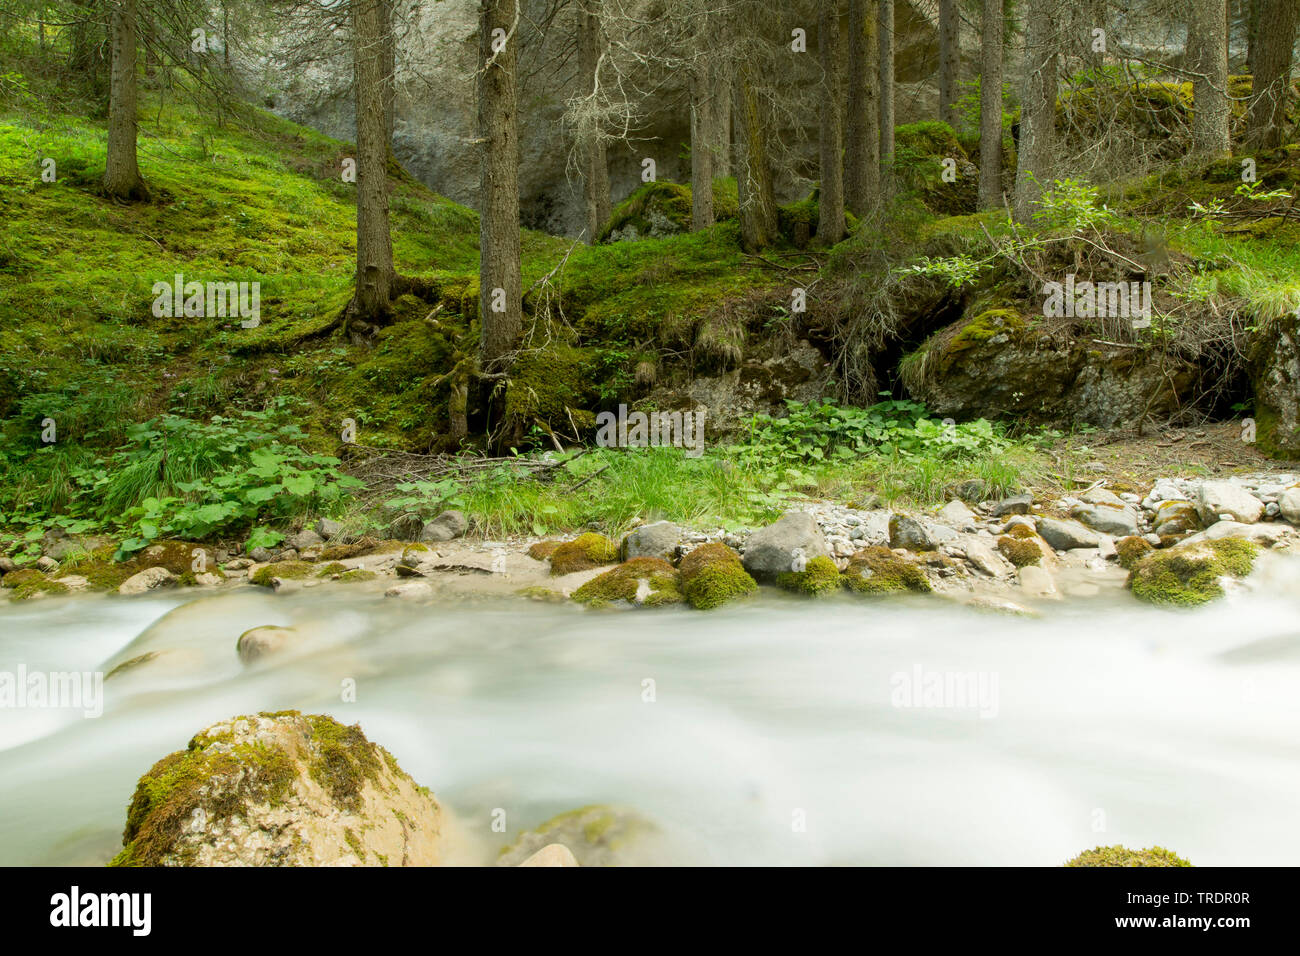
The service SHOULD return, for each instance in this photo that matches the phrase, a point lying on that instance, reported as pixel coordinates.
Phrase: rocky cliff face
(434, 130)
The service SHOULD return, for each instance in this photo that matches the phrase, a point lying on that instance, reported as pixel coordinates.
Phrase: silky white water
(773, 732)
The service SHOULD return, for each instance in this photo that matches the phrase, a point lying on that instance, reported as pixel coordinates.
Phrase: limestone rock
(1217, 498)
(147, 580)
(259, 642)
(1066, 535)
(280, 790)
(657, 540)
(772, 550)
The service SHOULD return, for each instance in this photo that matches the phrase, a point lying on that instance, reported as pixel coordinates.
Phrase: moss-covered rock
(1123, 856)
(586, 551)
(28, 583)
(279, 789)
(537, 592)
(712, 575)
(1189, 574)
(648, 581)
(877, 570)
(542, 550)
(663, 208)
(819, 576)
(285, 570)
(1020, 551)
(1129, 551)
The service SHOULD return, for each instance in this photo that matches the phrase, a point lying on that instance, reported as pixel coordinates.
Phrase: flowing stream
(774, 732)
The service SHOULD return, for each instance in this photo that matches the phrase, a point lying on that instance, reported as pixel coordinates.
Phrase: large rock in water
(771, 551)
(282, 789)
(1276, 372)
(1003, 364)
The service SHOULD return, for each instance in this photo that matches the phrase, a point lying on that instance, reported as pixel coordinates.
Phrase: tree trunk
(949, 60)
(758, 224)
(703, 137)
(498, 125)
(389, 68)
(1038, 110)
(1253, 10)
(886, 30)
(990, 194)
(595, 168)
(372, 298)
(1277, 29)
(121, 171)
(830, 200)
(1207, 56)
(862, 132)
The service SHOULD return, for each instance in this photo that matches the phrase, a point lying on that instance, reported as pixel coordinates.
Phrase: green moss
(341, 552)
(345, 762)
(1188, 574)
(877, 570)
(820, 576)
(583, 553)
(928, 138)
(28, 582)
(354, 842)
(358, 574)
(331, 569)
(223, 781)
(542, 550)
(288, 570)
(1131, 550)
(1020, 551)
(713, 575)
(1022, 531)
(553, 387)
(663, 208)
(625, 581)
(1123, 856)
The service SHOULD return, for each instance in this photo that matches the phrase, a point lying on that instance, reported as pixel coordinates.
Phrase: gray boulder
(1015, 505)
(1118, 520)
(327, 528)
(1217, 498)
(305, 539)
(657, 540)
(445, 527)
(771, 551)
(907, 532)
(1066, 535)
(1288, 503)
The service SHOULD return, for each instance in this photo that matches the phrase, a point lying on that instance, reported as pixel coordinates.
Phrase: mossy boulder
(819, 576)
(644, 581)
(663, 208)
(596, 835)
(280, 789)
(997, 361)
(1020, 551)
(713, 575)
(27, 583)
(877, 570)
(284, 570)
(586, 551)
(1123, 856)
(1190, 573)
(1129, 551)
(542, 550)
